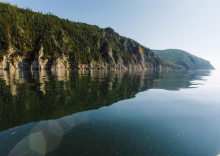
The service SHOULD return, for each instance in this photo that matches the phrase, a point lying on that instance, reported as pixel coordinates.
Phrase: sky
(190, 25)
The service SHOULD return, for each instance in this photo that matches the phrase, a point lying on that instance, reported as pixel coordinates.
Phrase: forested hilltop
(31, 40)
(183, 59)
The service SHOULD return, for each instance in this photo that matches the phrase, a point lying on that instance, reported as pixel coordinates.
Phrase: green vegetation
(27, 31)
(182, 59)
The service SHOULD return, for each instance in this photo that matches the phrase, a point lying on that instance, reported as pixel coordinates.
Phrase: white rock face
(111, 60)
(13, 61)
(4, 64)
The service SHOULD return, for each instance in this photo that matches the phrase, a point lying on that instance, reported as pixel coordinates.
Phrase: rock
(112, 60)
(5, 63)
(44, 64)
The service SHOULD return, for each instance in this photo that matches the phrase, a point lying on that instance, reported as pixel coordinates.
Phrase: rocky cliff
(31, 40)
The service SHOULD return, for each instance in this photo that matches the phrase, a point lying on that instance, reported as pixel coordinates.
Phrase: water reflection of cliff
(175, 80)
(33, 96)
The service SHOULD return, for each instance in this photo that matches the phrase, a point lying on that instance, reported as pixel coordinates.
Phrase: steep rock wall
(113, 60)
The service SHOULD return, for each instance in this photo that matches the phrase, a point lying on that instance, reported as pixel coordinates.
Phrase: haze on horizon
(190, 25)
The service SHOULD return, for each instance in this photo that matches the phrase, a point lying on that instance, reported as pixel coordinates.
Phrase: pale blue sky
(191, 25)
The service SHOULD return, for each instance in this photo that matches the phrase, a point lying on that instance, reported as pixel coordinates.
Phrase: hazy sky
(190, 25)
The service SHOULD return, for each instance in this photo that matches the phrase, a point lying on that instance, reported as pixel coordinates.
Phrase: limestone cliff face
(59, 63)
(130, 56)
(111, 60)
(13, 61)
(42, 62)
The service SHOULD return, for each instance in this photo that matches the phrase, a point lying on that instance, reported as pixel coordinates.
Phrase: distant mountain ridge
(182, 59)
(31, 40)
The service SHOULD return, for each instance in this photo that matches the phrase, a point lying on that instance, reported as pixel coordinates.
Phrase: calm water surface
(110, 113)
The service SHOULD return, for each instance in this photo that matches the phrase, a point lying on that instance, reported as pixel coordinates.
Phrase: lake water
(110, 113)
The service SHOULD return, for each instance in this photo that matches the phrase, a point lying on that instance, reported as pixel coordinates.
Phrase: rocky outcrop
(13, 61)
(42, 62)
(112, 60)
(60, 63)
